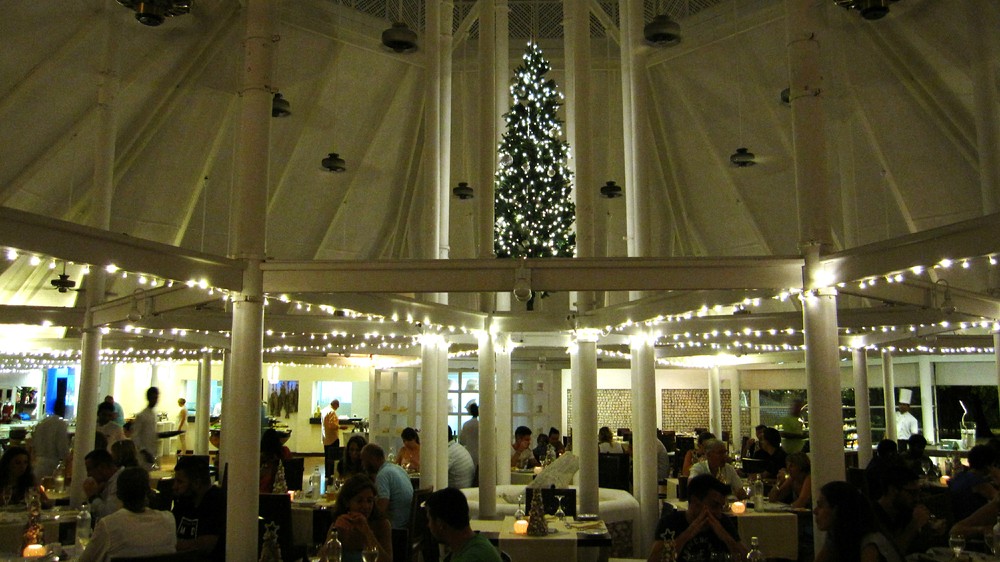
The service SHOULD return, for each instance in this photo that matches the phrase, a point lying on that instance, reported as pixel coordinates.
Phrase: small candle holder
(521, 527)
(34, 551)
(739, 507)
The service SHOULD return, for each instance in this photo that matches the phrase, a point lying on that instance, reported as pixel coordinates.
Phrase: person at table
(794, 482)
(392, 484)
(541, 447)
(351, 463)
(359, 525)
(752, 444)
(697, 454)
(125, 453)
(101, 485)
(973, 488)
(199, 510)
(899, 512)
(793, 433)
(606, 442)
(717, 464)
(555, 440)
(770, 451)
(17, 477)
(915, 458)
(272, 453)
(662, 460)
(448, 522)
(144, 430)
(409, 453)
(469, 436)
(886, 455)
(461, 469)
(980, 523)
(521, 455)
(701, 532)
(133, 530)
(50, 441)
(852, 533)
(106, 424)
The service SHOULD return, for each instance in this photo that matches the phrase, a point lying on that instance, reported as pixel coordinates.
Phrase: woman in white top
(606, 442)
(133, 530)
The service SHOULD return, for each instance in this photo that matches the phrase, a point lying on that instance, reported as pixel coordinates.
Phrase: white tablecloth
(776, 530)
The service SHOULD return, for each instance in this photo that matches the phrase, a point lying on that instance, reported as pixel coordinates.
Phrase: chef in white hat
(906, 424)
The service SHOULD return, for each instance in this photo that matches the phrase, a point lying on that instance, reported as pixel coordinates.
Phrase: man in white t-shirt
(461, 469)
(715, 464)
(521, 455)
(470, 433)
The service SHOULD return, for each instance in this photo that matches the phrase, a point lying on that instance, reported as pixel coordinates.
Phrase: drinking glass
(519, 514)
(560, 514)
(957, 544)
(8, 492)
(369, 554)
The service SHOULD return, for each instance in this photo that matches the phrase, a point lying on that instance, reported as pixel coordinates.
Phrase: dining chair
(505, 557)
(294, 471)
(422, 544)
(277, 508)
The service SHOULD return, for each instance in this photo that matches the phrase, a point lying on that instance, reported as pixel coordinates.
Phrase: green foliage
(533, 209)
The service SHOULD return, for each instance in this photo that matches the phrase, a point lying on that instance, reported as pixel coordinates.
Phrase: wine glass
(519, 514)
(369, 554)
(560, 514)
(957, 544)
(8, 492)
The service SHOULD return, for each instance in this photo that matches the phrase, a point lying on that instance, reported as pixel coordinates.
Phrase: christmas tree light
(533, 208)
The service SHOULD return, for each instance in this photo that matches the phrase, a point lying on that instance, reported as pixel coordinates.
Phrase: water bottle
(315, 481)
(60, 477)
(758, 494)
(332, 546)
(755, 555)
(83, 527)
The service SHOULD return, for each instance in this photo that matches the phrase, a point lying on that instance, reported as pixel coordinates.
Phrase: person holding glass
(794, 482)
(716, 464)
(409, 454)
(364, 532)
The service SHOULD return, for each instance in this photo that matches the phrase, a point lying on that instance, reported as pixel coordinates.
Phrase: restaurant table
(567, 541)
(303, 516)
(776, 527)
(617, 508)
(521, 476)
(12, 525)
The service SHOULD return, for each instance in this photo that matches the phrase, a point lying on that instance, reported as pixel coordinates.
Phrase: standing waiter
(331, 436)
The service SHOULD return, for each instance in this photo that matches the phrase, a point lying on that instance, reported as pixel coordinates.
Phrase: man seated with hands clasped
(702, 531)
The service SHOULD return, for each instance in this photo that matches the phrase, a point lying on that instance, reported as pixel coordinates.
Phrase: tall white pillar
(488, 444)
(432, 132)
(492, 76)
(889, 385)
(440, 429)
(86, 407)
(241, 409)
(862, 408)
(926, 370)
(430, 409)
(734, 410)
(826, 417)
(584, 363)
(504, 431)
(715, 401)
(634, 102)
(644, 474)
(203, 406)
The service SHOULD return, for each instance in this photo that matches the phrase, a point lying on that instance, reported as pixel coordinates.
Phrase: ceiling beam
(967, 239)
(931, 295)
(150, 303)
(554, 274)
(83, 244)
(39, 315)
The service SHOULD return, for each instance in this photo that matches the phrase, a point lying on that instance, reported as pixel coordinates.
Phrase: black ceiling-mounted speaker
(662, 31)
(400, 38)
(742, 158)
(611, 190)
(873, 9)
(334, 163)
(153, 12)
(462, 191)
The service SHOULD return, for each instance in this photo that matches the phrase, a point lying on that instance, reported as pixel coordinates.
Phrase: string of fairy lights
(667, 330)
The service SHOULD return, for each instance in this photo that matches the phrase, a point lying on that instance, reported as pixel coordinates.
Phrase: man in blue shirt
(395, 492)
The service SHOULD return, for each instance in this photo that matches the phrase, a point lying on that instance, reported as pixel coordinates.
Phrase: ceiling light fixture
(462, 191)
(742, 158)
(280, 106)
(334, 163)
(152, 13)
(611, 190)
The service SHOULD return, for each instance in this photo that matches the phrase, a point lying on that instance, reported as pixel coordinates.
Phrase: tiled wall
(682, 410)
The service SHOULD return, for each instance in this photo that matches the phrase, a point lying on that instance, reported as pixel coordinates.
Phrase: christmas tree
(533, 209)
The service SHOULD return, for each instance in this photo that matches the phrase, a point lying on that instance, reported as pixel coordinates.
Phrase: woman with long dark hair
(852, 533)
(351, 463)
(272, 452)
(359, 525)
(409, 454)
(16, 477)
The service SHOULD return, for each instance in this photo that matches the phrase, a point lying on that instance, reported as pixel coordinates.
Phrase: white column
(926, 370)
(826, 418)
(504, 431)
(86, 407)
(734, 410)
(715, 401)
(241, 409)
(584, 362)
(862, 409)
(225, 398)
(889, 385)
(491, 77)
(203, 406)
(432, 133)
(633, 115)
(440, 428)
(488, 449)
(429, 413)
(644, 476)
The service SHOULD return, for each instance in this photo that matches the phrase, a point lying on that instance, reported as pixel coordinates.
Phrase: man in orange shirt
(331, 436)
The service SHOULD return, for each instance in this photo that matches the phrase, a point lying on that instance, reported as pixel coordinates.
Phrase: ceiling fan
(63, 283)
